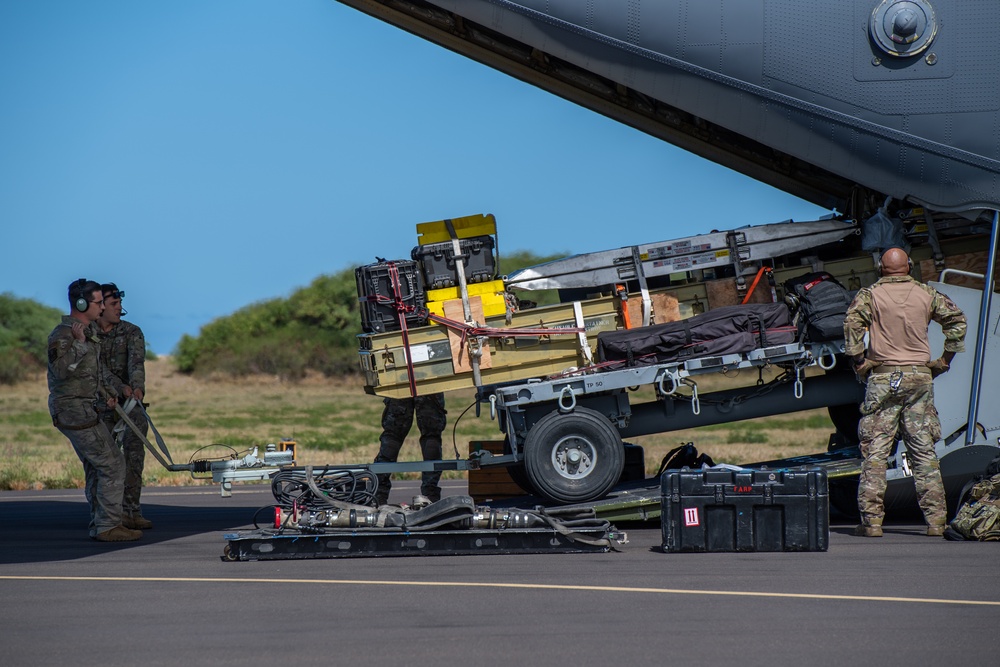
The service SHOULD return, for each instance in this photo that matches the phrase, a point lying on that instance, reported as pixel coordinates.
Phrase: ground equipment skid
(327, 528)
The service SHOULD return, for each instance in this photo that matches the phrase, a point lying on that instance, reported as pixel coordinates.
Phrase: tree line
(314, 329)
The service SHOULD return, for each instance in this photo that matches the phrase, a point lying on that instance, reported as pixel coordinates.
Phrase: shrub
(313, 329)
(24, 333)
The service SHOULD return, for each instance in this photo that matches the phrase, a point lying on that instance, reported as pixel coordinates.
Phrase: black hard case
(377, 296)
(745, 510)
(438, 260)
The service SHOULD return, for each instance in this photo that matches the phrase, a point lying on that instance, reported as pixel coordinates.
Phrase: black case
(379, 314)
(745, 510)
(438, 261)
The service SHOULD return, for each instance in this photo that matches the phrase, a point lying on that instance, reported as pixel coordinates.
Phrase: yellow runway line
(475, 584)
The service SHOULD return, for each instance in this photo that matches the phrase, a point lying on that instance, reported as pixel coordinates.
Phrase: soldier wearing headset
(899, 396)
(77, 386)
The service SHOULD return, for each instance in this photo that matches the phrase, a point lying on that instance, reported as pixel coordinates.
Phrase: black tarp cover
(726, 330)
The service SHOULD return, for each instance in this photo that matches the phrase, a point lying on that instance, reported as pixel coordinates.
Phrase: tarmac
(904, 599)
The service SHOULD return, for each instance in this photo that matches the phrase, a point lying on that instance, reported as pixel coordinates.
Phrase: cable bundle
(297, 487)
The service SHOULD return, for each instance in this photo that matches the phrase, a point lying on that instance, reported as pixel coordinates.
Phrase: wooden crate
(383, 356)
(493, 482)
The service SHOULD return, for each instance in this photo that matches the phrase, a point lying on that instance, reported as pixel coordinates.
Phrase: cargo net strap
(471, 330)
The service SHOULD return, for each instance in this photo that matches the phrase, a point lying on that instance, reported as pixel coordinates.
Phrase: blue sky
(208, 154)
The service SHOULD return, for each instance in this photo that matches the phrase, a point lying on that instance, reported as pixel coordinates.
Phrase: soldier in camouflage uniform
(123, 348)
(899, 399)
(77, 384)
(397, 418)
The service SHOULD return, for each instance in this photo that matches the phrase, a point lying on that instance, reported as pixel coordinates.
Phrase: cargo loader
(562, 394)
(899, 118)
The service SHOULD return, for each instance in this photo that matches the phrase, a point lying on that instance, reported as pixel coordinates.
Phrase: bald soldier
(899, 372)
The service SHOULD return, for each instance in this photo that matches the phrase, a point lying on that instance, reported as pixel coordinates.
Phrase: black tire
(517, 472)
(845, 419)
(844, 498)
(574, 457)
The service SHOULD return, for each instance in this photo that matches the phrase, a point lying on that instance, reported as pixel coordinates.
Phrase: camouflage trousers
(135, 458)
(104, 474)
(906, 412)
(397, 418)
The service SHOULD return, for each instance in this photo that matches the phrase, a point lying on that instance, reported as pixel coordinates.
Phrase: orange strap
(622, 293)
(753, 286)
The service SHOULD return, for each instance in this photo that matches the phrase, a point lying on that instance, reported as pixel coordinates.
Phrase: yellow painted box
(493, 304)
(474, 289)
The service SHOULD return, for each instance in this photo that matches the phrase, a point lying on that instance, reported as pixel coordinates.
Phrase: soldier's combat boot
(118, 534)
(936, 529)
(867, 530)
(136, 522)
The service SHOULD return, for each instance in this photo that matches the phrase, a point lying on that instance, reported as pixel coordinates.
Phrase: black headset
(112, 291)
(81, 303)
(909, 262)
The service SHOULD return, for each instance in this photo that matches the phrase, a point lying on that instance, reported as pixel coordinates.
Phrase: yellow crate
(475, 289)
(493, 304)
(467, 227)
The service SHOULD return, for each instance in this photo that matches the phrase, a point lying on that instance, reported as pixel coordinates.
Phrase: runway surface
(170, 599)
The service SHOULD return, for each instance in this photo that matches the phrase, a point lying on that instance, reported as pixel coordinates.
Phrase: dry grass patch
(334, 422)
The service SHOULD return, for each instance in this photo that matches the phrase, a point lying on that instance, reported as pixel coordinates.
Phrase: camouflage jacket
(943, 311)
(123, 350)
(76, 376)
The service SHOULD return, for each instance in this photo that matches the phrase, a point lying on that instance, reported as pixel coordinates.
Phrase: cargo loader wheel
(517, 472)
(574, 457)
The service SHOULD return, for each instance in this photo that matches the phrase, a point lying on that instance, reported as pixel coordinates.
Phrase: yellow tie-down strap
(465, 228)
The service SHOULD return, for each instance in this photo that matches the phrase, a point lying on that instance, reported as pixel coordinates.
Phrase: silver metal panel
(951, 390)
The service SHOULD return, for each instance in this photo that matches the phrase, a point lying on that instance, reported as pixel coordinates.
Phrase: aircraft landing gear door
(574, 457)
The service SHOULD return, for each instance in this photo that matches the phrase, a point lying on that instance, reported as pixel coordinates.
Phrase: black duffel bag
(727, 330)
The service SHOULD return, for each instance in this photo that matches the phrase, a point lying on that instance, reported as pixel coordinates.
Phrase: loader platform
(367, 543)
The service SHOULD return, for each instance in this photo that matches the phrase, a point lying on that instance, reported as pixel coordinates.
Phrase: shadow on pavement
(37, 531)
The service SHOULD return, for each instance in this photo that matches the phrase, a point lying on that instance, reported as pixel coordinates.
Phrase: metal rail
(984, 318)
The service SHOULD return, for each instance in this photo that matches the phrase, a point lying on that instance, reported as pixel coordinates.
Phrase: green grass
(333, 421)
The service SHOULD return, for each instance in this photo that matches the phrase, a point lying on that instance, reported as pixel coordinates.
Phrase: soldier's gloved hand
(865, 368)
(938, 367)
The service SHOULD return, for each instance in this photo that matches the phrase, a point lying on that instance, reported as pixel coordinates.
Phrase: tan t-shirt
(901, 312)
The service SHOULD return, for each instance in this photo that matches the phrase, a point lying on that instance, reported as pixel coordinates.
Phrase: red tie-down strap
(403, 309)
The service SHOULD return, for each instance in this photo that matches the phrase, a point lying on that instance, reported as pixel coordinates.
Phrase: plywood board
(666, 308)
(454, 310)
